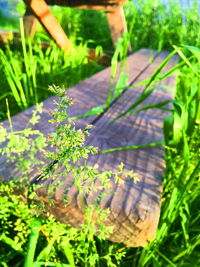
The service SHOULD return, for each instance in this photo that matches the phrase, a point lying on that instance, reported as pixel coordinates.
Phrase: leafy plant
(178, 222)
(63, 244)
(161, 24)
(117, 84)
(153, 25)
(25, 81)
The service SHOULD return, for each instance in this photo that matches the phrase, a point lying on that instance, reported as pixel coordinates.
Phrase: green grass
(27, 72)
(28, 241)
(150, 24)
(160, 26)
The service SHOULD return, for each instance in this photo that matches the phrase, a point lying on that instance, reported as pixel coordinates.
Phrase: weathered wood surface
(39, 9)
(86, 95)
(134, 208)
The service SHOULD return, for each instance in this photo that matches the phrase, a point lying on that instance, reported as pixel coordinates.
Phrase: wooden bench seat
(134, 208)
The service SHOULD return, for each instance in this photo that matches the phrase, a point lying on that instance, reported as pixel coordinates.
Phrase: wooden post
(50, 23)
(117, 24)
(30, 23)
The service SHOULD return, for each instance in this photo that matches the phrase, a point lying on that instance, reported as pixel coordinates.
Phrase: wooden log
(134, 208)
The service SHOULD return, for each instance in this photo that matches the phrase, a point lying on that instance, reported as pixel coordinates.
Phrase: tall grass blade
(26, 59)
(178, 50)
(5, 95)
(33, 67)
(33, 239)
(68, 252)
(131, 147)
(166, 259)
(10, 242)
(46, 251)
(147, 91)
(195, 51)
(50, 264)
(160, 77)
(158, 71)
(8, 70)
(140, 99)
(121, 85)
(92, 112)
(8, 115)
(159, 105)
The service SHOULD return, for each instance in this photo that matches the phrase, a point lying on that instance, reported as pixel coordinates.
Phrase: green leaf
(10, 242)
(50, 264)
(168, 128)
(186, 60)
(121, 84)
(5, 95)
(131, 147)
(140, 99)
(177, 125)
(159, 105)
(32, 243)
(68, 252)
(194, 50)
(158, 70)
(93, 111)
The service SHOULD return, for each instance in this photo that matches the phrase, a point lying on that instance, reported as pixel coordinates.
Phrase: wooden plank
(89, 93)
(134, 207)
(86, 95)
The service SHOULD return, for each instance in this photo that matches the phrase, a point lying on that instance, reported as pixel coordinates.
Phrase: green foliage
(155, 24)
(36, 241)
(186, 102)
(177, 239)
(85, 25)
(28, 240)
(26, 73)
(21, 143)
(118, 82)
(8, 23)
(161, 24)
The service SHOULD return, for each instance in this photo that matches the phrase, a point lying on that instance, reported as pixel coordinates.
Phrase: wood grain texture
(85, 95)
(134, 208)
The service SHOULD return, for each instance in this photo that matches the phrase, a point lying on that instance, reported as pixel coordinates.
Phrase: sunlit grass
(29, 71)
